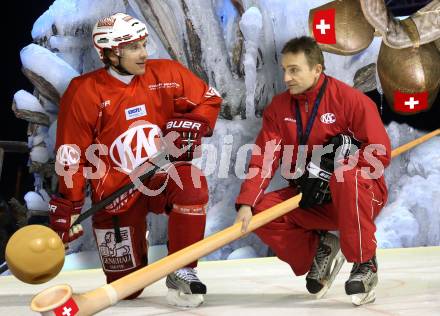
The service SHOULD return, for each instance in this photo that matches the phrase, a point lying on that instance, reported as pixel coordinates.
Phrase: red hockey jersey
(343, 109)
(123, 119)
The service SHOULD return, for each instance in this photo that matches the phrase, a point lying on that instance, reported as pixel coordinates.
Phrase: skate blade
(363, 298)
(179, 299)
(337, 265)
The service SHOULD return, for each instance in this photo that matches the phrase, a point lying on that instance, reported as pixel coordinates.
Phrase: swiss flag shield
(67, 309)
(410, 102)
(324, 26)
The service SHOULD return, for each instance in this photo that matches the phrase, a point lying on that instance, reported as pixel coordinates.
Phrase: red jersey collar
(311, 94)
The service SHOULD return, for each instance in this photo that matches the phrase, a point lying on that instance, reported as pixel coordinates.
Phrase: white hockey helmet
(116, 30)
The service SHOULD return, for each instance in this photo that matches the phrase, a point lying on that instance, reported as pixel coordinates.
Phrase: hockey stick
(152, 166)
(414, 143)
(59, 297)
(141, 173)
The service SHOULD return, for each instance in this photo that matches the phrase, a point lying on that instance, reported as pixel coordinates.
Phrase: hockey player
(122, 108)
(320, 110)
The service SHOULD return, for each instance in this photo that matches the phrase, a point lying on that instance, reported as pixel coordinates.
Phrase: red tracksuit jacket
(343, 109)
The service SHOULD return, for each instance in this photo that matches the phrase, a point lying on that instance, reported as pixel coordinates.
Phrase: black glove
(343, 146)
(314, 184)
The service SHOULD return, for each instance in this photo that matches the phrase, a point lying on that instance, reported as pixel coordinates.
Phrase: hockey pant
(122, 241)
(356, 202)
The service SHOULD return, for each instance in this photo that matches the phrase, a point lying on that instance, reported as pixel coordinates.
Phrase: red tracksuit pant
(355, 204)
(186, 208)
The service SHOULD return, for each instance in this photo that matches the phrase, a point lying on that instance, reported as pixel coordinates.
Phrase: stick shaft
(414, 143)
(159, 269)
(99, 299)
(160, 161)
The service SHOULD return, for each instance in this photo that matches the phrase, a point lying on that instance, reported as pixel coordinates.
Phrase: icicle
(251, 24)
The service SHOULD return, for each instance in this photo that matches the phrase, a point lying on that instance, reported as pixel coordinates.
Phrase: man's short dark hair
(308, 46)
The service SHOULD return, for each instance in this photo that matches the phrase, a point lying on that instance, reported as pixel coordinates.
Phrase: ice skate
(326, 265)
(363, 279)
(184, 288)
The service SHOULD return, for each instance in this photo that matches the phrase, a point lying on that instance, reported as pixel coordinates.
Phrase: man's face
(133, 57)
(298, 76)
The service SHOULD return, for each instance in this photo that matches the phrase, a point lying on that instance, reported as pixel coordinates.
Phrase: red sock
(186, 226)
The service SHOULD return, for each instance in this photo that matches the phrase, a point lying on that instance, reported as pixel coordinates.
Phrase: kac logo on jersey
(135, 146)
(135, 111)
(328, 118)
(68, 155)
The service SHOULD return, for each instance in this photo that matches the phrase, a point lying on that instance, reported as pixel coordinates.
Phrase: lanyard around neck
(303, 138)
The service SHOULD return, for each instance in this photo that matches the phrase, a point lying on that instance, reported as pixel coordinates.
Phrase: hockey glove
(62, 213)
(188, 131)
(343, 146)
(314, 184)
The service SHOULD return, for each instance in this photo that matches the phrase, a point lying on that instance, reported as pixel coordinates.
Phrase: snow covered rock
(27, 107)
(48, 73)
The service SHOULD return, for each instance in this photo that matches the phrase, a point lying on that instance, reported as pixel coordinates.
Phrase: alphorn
(89, 303)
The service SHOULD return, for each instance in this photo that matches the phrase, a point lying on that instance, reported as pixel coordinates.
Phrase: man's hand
(244, 216)
(62, 213)
(189, 129)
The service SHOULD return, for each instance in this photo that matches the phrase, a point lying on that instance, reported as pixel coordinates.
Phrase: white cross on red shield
(410, 103)
(67, 309)
(324, 26)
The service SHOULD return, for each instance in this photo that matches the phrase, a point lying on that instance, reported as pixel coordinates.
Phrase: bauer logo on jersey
(135, 112)
(135, 146)
(328, 118)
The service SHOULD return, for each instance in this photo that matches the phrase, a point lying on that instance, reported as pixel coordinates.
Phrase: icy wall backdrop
(244, 67)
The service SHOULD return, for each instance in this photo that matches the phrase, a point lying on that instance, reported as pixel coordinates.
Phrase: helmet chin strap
(121, 69)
